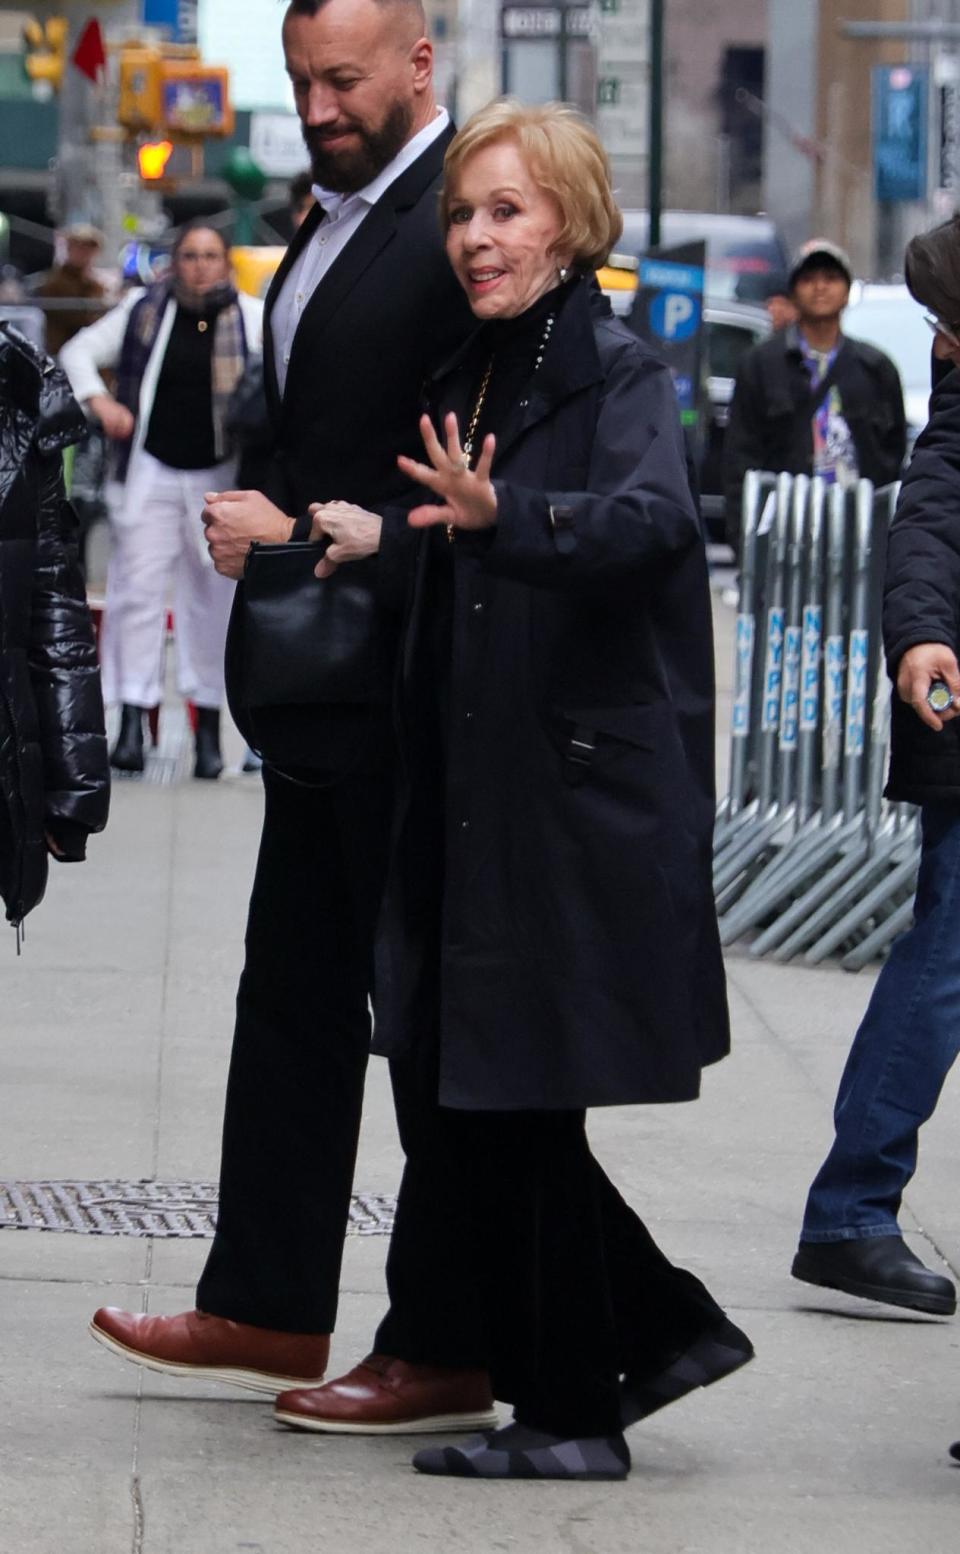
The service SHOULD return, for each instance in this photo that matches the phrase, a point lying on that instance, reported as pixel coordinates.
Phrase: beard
(344, 172)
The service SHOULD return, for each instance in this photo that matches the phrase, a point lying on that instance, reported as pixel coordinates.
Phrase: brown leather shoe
(196, 1344)
(381, 1396)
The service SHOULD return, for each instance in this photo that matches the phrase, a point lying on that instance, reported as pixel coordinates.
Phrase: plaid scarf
(227, 361)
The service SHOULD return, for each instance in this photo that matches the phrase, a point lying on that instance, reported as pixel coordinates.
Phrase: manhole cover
(145, 1208)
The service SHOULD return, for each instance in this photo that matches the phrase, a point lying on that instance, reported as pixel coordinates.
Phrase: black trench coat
(580, 962)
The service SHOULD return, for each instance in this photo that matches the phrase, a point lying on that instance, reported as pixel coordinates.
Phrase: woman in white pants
(178, 349)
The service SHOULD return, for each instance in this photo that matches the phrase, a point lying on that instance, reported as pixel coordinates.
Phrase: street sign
(668, 313)
(545, 21)
(178, 18)
(900, 132)
(532, 21)
(276, 143)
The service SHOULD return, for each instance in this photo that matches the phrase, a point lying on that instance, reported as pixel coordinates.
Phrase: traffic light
(46, 50)
(139, 103)
(152, 159)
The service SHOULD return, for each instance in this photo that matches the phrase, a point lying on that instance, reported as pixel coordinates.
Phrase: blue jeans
(900, 1057)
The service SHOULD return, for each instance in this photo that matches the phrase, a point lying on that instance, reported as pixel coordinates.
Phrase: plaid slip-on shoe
(711, 1357)
(519, 1452)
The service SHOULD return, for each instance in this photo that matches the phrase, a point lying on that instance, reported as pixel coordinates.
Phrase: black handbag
(297, 641)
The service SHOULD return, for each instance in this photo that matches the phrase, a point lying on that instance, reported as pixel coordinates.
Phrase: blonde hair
(565, 156)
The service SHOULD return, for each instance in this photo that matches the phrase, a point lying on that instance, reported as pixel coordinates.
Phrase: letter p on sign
(677, 311)
(674, 315)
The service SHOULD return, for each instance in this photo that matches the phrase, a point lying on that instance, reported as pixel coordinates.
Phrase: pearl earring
(563, 272)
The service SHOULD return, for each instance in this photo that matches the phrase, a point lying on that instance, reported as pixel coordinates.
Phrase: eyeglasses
(940, 328)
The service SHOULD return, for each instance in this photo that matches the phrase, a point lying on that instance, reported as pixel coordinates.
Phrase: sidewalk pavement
(114, 1036)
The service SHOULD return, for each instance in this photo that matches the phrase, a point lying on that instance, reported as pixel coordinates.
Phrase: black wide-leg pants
(513, 1250)
(301, 1042)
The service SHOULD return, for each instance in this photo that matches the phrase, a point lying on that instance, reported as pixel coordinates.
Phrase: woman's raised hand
(467, 497)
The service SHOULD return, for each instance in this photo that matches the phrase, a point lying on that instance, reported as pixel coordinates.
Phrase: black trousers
(512, 1250)
(300, 1049)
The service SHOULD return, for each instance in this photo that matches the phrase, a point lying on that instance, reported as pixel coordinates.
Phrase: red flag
(90, 56)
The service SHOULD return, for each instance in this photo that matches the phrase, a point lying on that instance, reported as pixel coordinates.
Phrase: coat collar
(375, 231)
(572, 363)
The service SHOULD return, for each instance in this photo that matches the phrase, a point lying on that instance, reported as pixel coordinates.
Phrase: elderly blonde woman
(548, 938)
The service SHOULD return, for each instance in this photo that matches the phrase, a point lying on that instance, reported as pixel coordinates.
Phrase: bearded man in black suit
(362, 306)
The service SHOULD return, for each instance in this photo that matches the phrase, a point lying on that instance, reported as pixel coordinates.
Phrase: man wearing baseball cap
(810, 400)
(73, 279)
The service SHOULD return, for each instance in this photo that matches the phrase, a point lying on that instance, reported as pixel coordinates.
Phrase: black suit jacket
(386, 312)
(382, 317)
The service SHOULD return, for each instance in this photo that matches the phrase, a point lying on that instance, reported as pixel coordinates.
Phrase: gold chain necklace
(472, 432)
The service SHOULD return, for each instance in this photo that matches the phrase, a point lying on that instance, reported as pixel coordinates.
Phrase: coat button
(478, 607)
(464, 825)
(469, 716)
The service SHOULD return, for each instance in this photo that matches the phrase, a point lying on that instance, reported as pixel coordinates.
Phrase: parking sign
(668, 313)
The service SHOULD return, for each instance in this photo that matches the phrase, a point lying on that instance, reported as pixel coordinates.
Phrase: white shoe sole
(251, 1381)
(432, 1423)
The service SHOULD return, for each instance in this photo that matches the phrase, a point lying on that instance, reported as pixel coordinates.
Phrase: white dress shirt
(343, 216)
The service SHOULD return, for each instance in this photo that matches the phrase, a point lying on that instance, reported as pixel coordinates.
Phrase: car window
(742, 266)
(750, 270)
(726, 345)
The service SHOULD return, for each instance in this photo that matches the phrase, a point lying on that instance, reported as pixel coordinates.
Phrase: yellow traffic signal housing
(46, 53)
(140, 103)
(152, 159)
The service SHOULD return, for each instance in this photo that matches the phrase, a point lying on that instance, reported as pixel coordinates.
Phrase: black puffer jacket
(54, 774)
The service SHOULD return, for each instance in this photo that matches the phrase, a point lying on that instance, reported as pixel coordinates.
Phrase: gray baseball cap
(819, 249)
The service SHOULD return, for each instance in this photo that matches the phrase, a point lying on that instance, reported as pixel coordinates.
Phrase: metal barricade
(731, 814)
(808, 856)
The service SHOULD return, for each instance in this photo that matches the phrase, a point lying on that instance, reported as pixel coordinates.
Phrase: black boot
(209, 762)
(127, 753)
(876, 1268)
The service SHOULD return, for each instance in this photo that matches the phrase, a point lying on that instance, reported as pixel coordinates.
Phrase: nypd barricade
(809, 858)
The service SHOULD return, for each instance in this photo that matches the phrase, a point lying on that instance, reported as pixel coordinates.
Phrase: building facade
(715, 71)
(819, 175)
